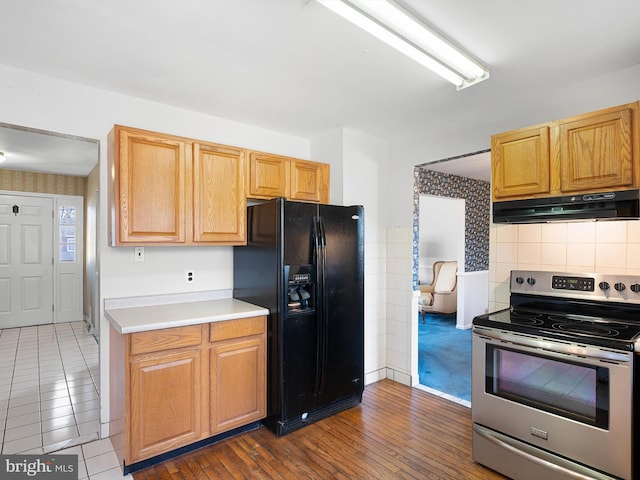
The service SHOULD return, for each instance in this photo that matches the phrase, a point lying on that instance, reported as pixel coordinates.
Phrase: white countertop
(154, 317)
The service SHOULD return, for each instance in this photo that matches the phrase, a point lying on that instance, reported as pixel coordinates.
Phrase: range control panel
(595, 286)
(585, 284)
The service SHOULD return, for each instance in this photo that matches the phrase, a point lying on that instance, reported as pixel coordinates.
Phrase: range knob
(619, 286)
(531, 281)
(520, 280)
(604, 285)
(635, 287)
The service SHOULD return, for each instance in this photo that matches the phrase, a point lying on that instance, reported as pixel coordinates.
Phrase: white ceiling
(38, 151)
(476, 166)
(294, 66)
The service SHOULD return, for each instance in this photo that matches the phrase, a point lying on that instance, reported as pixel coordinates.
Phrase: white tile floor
(49, 398)
(97, 461)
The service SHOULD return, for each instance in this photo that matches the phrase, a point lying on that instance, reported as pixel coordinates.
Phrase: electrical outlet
(190, 277)
(138, 253)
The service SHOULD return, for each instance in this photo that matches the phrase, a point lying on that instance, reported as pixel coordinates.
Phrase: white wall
(92, 287)
(473, 297)
(365, 158)
(358, 166)
(441, 233)
(329, 148)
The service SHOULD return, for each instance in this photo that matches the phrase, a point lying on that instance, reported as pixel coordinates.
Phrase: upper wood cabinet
(593, 152)
(272, 176)
(170, 190)
(219, 202)
(268, 176)
(151, 174)
(596, 151)
(309, 181)
(520, 163)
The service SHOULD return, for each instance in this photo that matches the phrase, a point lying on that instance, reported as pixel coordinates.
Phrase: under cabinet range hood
(621, 205)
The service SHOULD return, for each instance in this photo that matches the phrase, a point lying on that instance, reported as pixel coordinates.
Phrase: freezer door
(343, 303)
(299, 345)
(299, 338)
(297, 231)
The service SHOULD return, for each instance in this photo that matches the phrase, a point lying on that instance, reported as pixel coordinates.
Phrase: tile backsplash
(604, 246)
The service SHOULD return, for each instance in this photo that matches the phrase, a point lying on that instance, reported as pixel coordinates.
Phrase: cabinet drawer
(243, 327)
(165, 339)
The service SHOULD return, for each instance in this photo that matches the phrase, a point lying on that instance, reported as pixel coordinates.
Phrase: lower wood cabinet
(173, 387)
(237, 383)
(165, 402)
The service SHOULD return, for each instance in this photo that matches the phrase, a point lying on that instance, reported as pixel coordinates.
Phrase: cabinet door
(238, 383)
(219, 200)
(596, 151)
(267, 175)
(165, 402)
(152, 174)
(306, 180)
(520, 163)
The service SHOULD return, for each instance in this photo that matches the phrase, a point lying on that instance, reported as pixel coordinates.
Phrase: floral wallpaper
(477, 196)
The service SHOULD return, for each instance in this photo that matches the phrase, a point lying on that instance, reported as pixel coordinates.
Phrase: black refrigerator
(305, 263)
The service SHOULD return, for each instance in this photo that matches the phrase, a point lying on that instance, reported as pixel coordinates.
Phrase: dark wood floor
(396, 433)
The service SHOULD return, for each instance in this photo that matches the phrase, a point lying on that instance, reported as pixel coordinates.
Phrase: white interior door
(26, 261)
(68, 241)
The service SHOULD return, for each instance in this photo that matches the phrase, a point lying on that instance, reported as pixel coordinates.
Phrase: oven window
(572, 390)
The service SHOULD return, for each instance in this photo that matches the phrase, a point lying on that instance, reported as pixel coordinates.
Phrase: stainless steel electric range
(554, 378)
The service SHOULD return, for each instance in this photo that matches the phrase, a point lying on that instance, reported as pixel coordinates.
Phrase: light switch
(138, 253)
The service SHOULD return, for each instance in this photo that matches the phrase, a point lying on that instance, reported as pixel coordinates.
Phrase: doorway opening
(49, 365)
(444, 351)
(437, 339)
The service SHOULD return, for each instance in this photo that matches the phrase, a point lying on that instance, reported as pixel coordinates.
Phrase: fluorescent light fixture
(397, 27)
(2, 157)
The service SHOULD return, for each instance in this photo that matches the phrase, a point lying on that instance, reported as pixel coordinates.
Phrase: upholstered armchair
(441, 296)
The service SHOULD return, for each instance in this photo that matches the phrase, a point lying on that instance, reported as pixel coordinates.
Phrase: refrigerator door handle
(324, 312)
(318, 260)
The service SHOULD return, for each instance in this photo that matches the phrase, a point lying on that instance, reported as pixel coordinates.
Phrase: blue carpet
(444, 356)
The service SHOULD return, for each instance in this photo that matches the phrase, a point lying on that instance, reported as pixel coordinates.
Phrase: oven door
(571, 400)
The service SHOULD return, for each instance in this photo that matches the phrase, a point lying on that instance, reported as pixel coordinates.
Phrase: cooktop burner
(526, 318)
(595, 330)
(585, 327)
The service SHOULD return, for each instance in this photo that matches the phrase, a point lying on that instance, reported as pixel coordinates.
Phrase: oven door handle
(540, 457)
(554, 347)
